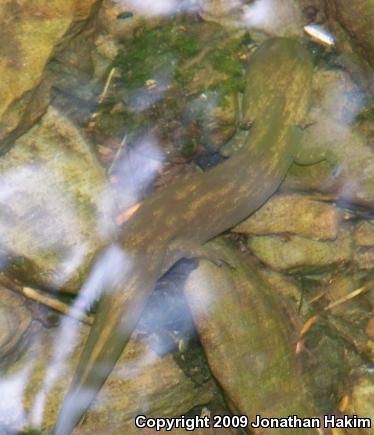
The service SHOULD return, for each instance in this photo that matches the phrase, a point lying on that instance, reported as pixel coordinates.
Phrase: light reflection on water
(137, 170)
(12, 389)
(17, 185)
(158, 7)
(107, 272)
(272, 16)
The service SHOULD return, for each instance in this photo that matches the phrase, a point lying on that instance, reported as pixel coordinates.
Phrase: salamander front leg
(179, 249)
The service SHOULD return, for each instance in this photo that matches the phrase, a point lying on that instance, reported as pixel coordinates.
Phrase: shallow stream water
(112, 114)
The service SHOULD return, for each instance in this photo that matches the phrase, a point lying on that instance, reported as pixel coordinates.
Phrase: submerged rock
(363, 238)
(364, 234)
(294, 214)
(41, 29)
(364, 258)
(286, 286)
(55, 206)
(297, 254)
(247, 338)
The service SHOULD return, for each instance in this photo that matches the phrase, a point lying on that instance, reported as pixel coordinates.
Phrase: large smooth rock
(31, 32)
(294, 214)
(297, 254)
(247, 337)
(55, 206)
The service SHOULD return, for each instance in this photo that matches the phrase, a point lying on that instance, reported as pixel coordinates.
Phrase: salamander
(175, 222)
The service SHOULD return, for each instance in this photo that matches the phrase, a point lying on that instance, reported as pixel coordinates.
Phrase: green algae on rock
(155, 52)
(171, 71)
(173, 48)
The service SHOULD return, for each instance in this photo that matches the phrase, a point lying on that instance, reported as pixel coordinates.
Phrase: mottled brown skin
(175, 222)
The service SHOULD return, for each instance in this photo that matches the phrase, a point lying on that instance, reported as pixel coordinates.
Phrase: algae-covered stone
(364, 234)
(364, 258)
(30, 107)
(288, 287)
(247, 338)
(191, 73)
(55, 206)
(363, 237)
(294, 214)
(41, 26)
(298, 254)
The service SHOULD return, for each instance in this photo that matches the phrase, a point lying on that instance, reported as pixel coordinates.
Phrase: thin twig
(118, 153)
(317, 297)
(307, 325)
(48, 301)
(106, 86)
(346, 298)
(56, 305)
(125, 215)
